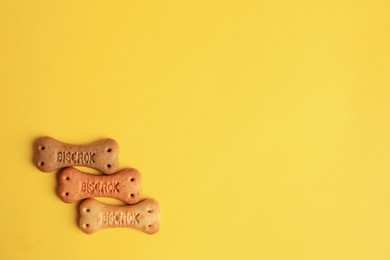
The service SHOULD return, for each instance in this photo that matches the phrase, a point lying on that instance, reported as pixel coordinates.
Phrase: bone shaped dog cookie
(144, 216)
(51, 154)
(124, 185)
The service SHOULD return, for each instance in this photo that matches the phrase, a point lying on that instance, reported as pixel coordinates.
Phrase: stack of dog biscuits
(75, 185)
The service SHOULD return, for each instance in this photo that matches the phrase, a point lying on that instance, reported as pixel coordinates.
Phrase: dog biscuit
(144, 216)
(124, 185)
(51, 154)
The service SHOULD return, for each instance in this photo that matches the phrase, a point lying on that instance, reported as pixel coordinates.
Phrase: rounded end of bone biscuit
(41, 165)
(154, 203)
(132, 175)
(44, 165)
(43, 153)
(152, 228)
(151, 212)
(110, 149)
(67, 172)
(112, 146)
(110, 168)
(66, 196)
(43, 141)
(65, 191)
(134, 197)
(43, 144)
(90, 210)
(86, 228)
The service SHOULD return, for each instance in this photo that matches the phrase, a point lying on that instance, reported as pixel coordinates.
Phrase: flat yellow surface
(261, 127)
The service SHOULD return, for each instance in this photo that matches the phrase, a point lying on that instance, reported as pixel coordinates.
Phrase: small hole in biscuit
(132, 195)
(86, 225)
(108, 165)
(132, 179)
(149, 226)
(42, 148)
(67, 178)
(42, 163)
(88, 210)
(109, 150)
(67, 194)
(150, 211)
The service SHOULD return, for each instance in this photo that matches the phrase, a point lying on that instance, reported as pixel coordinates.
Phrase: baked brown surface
(144, 216)
(76, 185)
(51, 154)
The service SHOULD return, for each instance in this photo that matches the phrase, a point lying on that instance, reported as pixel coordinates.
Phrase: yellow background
(262, 127)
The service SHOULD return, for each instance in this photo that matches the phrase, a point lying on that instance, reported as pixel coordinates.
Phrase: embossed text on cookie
(115, 218)
(76, 157)
(101, 187)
